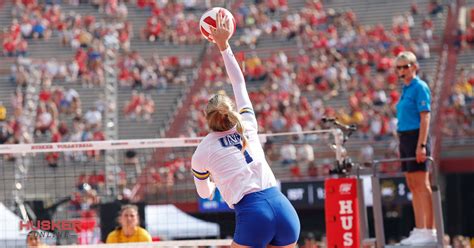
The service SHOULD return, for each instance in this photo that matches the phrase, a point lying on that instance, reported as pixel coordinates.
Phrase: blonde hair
(128, 206)
(407, 56)
(221, 117)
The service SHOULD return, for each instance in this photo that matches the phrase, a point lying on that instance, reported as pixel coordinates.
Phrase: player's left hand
(420, 154)
(221, 34)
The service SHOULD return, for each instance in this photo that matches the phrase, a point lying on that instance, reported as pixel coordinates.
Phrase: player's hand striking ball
(222, 33)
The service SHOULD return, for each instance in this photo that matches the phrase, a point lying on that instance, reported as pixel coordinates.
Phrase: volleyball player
(129, 230)
(231, 158)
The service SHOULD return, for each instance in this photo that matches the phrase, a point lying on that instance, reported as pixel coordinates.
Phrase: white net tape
(126, 144)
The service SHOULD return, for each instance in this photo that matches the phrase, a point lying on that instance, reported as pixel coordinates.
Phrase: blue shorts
(266, 217)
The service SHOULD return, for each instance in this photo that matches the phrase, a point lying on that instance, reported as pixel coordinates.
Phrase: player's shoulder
(249, 119)
(114, 233)
(203, 147)
(205, 141)
(143, 233)
(112, 237)
(142, 230)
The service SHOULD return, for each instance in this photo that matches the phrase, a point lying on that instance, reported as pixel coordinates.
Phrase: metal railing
(377, 201)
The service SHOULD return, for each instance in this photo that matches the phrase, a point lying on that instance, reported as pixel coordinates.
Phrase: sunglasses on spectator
(399, 67)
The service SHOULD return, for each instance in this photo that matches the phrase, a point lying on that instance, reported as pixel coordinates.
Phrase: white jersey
(219, 160)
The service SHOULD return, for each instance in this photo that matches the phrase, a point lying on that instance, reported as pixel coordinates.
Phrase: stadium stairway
(6, 167)
(166, 101)
(5, 21)
(5, 14)
(7, 88)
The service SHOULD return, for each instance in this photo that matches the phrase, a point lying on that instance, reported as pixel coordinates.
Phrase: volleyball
(208, 20)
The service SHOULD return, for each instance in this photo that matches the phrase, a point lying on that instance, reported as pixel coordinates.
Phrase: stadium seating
(267, 45)
(459, 130)
(166, 100)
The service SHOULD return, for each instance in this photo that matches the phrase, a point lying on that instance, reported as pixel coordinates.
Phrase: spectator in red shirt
(45, 95)
(295, 171)
(93, 180)
(9, 47)
(312, 169)
(53, 157)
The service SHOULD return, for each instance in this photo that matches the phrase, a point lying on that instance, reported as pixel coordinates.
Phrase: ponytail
(220, 117)
(235, 118)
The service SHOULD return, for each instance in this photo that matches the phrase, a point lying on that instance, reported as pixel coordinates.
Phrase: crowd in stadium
(349, 57)
(154, 73)
(83, 34)
(346, 56)
(459, 115)
(168, 23)
(335, 54)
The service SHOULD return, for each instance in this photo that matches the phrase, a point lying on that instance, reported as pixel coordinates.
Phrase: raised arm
(221, 36)
(237, 79)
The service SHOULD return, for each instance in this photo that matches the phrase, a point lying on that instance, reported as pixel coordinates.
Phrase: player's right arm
(202, 180)
(221, 36)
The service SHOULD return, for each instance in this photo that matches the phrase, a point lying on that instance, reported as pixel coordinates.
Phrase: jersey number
(248, 159)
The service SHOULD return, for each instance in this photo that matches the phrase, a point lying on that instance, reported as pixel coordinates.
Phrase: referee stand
(348, 176)
(379, 240)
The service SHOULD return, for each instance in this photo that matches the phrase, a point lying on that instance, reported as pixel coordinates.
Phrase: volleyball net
(72, 192)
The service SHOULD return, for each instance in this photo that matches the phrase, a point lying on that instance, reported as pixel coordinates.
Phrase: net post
(23, 160)
(437, 203)
(377, 206)
(364, 223)
(110, 114)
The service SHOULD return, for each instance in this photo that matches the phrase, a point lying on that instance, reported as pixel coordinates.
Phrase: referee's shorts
(407, 148)
(266, 217)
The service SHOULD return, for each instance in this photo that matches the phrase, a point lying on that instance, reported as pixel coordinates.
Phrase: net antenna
(111, 45)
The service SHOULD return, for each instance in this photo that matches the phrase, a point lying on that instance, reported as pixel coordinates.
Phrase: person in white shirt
(288, 154)
(93, 117)
(231, 158)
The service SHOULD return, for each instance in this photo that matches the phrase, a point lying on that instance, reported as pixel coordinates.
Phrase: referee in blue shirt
(413, 113)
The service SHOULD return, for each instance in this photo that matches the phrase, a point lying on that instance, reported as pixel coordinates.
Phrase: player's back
(235, 173)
